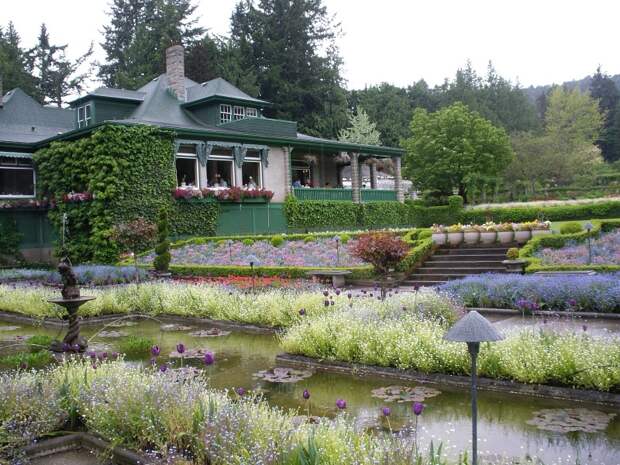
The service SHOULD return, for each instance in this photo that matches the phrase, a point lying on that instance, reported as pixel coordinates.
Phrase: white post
(288, 178)
(355, 178)
(398, 184)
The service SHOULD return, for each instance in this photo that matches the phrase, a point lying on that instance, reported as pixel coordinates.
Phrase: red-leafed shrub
(134, 236)
(384, 251)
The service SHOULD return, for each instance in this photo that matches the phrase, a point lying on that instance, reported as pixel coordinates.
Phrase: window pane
(81, 114)
(186, 172)
(251, 175)
(16, 182)
(187, 148)
(87, 111)
(251, 112)
(220, 173)
(225, 113)
(239, 112)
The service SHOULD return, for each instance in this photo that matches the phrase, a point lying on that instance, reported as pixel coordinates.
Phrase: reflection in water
(502, 426)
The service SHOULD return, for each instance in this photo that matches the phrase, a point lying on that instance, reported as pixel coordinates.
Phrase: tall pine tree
(13, 64)
(603, 89)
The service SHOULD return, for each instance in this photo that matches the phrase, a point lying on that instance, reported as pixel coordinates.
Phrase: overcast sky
(401, 41)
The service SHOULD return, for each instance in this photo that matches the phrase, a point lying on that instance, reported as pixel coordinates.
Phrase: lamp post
(229, 243)
(253, 261)
(473, 329)
(337, 239)
(589, 227)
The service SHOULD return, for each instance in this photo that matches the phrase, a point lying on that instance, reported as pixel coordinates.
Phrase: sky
(532, 42)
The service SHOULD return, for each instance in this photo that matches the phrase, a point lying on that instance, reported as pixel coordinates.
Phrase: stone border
(487, 384)
(77, 441)
(102, 319)
(548, 313)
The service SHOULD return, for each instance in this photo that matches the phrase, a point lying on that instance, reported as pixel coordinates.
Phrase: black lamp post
(589, 227)
(253, 261)
(473, 329)
(337, 239)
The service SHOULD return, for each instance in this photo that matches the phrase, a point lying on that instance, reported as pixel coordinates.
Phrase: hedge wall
(197, 217)
(129, 171)
(266, 271)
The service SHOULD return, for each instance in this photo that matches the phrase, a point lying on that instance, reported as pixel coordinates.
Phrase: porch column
(288, 175)
(355, 177)
(373, 175)
(398, 184)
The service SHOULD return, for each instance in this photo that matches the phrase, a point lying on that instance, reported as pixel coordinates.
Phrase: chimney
(175, 70)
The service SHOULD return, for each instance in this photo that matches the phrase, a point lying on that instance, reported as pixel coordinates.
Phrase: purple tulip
(302, 312)
(341, 404)
(104, 355)
(94, 365)
(418, 407)
(23, 366)
(325, 293)
(585, 327)
(209, 358)
(337, 291)
(153, 361)
(386, 411)
(349, 295)
(306, 394)
(240, 391)
(114, 355)
(163, 368)
(155, 351)
(75, 347)
(326, 303)
(92, 355)
(66, 347)
(181, 348)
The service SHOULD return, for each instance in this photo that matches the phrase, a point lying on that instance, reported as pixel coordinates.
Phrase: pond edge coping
(547, 313)
(12, 317)
(487, 384)
(77, 441)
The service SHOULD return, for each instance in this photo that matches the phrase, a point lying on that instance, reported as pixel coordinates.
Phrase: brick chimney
(175, 70)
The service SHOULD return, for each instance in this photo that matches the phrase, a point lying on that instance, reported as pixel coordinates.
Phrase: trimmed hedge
(264, 271)
(557, 241)
(194, 217)
(421, 247)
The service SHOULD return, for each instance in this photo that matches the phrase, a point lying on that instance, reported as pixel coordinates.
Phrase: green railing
(377, 195)
(368, 195)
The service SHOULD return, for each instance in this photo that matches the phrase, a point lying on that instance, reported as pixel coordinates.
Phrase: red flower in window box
(77, 197)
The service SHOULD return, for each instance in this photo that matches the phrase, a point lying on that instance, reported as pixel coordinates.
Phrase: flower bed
(605, 251)
(489, 232)
(86, 275)
(233, 194)
(402, 339)
(597, 293)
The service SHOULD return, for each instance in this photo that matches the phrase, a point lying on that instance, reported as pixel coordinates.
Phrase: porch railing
(368, 195)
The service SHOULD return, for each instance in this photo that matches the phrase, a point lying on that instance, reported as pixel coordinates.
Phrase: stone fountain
(71, 300)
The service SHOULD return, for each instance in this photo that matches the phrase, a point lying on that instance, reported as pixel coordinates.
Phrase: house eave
(223, 99)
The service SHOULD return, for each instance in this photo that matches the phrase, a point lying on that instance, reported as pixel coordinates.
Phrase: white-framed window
(17, 177)
(187, 167)
(239, 112)
(225, 113)
(84, 116)
(251, 112)
(252, 171)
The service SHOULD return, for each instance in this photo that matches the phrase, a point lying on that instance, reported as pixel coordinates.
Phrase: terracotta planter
(488, 237)
(505, 237)
(540, 232)
(515, 266)
(455, 238)
(523, 236)
(439, 238)
(471, 237)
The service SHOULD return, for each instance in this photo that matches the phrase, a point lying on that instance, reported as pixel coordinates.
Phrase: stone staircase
(449, 263)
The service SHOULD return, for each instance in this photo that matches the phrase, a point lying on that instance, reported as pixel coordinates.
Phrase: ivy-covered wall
(129, 170)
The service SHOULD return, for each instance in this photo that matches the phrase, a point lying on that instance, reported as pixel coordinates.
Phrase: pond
(503, 423)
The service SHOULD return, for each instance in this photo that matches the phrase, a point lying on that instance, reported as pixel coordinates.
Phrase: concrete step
(410, 283)
(463, 264)
(470, 270)
(467, 258)
(473, 251)
(437, 276)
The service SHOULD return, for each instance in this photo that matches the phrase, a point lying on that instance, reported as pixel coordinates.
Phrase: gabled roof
(112, 94)
(219, 89)
(24, 120)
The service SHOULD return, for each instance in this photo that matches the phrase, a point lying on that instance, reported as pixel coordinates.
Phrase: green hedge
(557, 241)
(267, 271)
(194, 217)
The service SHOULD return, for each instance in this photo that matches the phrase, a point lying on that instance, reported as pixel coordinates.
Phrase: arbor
(137, 35)
(449, 146)
(13, 63)
(604, 90)
(361, 130)
(56, 76)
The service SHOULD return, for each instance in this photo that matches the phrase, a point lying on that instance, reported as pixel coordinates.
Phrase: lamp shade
(473, 327)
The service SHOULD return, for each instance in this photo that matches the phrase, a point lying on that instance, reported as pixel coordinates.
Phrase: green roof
(108, 93)
(219, 89)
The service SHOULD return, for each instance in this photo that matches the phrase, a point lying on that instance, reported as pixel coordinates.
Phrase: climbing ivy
(129, 170)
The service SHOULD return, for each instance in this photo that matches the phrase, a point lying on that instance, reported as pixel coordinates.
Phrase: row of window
(220, 172)
(17, 178)
(229, 113)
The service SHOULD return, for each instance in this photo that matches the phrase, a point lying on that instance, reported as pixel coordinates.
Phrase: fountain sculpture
(71, 300)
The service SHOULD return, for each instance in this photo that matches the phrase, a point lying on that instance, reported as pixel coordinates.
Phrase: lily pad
(190, 353)
(571, 419)
(211, 332)
(122, 324)
(405, 393)
(9, 328)
(112, 334)
(283, 375)
(175, 327)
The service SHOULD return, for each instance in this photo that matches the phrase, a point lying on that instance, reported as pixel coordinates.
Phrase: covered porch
(345, 176)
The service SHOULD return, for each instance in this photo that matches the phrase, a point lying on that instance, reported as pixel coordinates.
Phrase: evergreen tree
(13, 64)
(137, 36)
(162, 249)
(361, 130)
(603, 89)
(56, 75)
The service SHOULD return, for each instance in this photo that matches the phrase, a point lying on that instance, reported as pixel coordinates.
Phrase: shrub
(512, 254)
(382, 250)
(162, 249)
(10, 239)
(344, 238)
(39, 342)
(248, 242)
(136, 346)
(455, 202)
(571, 228)
(134, 236)
(277, 240)
(309, 238)
(26, 360)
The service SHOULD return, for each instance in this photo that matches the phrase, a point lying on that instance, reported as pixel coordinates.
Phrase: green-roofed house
(223, 140)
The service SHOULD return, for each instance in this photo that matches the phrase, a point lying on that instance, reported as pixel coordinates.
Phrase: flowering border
(233, 194)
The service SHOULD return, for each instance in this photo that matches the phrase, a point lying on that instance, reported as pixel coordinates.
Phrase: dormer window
(251, 112)
(84, 116)
(225, 113)
(239, 113)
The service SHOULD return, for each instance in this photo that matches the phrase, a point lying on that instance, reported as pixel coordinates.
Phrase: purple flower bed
(86, 274)
(597, 293)
(605, 251)
(320, 253)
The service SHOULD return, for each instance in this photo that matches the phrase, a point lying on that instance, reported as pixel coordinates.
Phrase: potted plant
(471, 233)
(540, 228)
(505, 233)
(455, 234)
(488, 232)
(513, 263)
(438, 234)
(522, 232)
